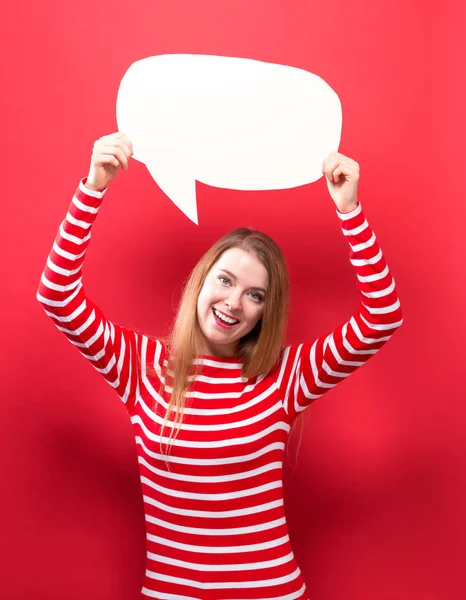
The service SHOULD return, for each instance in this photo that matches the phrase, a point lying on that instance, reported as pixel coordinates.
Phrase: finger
(121, 143)
(128, 142)
(330, 166)
(349, 168)
(336, 173)
(119, 153)
(341, 158)
(116, 139)
(332, 156)
(348, 163)
(107, 159)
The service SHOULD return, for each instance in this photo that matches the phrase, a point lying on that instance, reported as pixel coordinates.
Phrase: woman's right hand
(110, 152)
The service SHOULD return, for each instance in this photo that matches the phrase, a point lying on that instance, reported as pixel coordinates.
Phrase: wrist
(347, 208)
(92, 186)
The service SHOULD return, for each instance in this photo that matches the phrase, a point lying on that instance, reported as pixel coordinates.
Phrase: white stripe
(90, 319)
(347, 363)
(326, 343)
(157, 354)
(216, 363)
(77, 222)
(350, 348)
(360, 336)
(59, 303)
(208, 411)
(292, 596)
(198, 411)
(296, 389)
(351, 214)
(161, 596)
(204, 531)
(128, 385)
(112, 331)
(108, 368)
(273, 485)
(307, 393)
(121, 358)
(100, 329)
(136, 419)
(219, 549)
(203, 479)
(215, 380)
(101, 353)
(73, 238)
(286, 354)
(356, 230)
(53, 267)
(381, 293)
(212, 462)
(366, 261)
(94, 357)
(213, 396)
(265, 564)
(383, 310)
(91, 340)
(92, 193)
(213, 363)
(363, 245)
(215, 427)
(229, 585)
(59, 288)
(290, 378)
(384, 327)
(66, 254)
(72, 316)
(315, 370)
(89, 209)
(329, 371)
(375, 277)
(217, 514)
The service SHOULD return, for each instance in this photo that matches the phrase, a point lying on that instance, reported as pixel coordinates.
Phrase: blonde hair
(259, 351)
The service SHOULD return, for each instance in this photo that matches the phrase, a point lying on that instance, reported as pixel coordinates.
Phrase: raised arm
(309, 370)
(111, 349)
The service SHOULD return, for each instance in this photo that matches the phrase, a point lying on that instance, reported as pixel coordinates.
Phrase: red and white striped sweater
(215, 523)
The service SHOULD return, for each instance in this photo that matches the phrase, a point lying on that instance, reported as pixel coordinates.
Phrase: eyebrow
(233, 277)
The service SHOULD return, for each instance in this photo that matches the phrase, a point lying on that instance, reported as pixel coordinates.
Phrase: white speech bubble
(228, 122)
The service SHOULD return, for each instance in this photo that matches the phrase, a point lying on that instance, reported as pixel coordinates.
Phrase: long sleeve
(309, 370)
(111, 349)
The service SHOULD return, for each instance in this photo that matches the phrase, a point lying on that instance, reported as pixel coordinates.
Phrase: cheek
(204, 298)
(255, 315)
(200, 303)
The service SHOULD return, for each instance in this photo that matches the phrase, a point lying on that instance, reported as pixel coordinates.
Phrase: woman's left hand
(342, 176)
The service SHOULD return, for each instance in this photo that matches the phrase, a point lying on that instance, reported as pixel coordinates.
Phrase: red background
(376, 501)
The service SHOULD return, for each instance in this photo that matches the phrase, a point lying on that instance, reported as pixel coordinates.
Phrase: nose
(233, 301)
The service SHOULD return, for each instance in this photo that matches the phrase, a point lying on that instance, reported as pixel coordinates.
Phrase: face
(231, 301)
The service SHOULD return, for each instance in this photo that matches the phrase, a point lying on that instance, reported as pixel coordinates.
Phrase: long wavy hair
(259, 351)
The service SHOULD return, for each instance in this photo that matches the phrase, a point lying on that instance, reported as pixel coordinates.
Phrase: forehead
(245, 267)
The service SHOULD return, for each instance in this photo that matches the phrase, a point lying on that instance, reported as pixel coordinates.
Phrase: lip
(220, 323)
(224, 313)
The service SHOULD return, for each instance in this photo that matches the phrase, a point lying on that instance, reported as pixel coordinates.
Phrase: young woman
(212, 409)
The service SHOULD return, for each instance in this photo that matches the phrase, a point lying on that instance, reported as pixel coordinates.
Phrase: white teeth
(224, 318)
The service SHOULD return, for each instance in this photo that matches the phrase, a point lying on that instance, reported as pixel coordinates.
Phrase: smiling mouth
(224, 320)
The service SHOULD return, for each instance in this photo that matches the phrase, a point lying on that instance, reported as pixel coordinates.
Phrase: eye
(224, 279)
(256, 297)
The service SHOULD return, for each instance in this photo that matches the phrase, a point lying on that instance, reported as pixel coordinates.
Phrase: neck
(220, 351)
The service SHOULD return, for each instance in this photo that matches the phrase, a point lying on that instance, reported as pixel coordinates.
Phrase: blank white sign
(228, 122)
